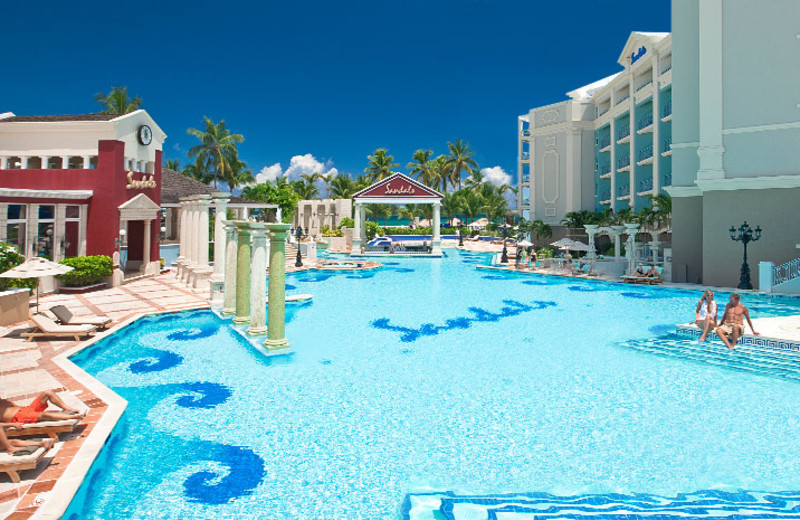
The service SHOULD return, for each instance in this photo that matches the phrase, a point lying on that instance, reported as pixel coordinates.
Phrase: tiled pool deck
(28, 368)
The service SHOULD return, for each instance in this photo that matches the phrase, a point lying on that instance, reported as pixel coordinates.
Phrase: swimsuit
(705, 311)
(727, 328)
(30, 414)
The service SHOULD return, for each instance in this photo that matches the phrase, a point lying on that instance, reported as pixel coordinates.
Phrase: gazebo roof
(398, 189)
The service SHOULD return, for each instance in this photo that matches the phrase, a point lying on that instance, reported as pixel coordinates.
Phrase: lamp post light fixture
(745, 234)
(504, 227)
(118, 242)
(299, 235)
(461, 235)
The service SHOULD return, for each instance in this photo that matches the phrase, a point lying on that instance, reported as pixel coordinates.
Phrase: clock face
(145, 135)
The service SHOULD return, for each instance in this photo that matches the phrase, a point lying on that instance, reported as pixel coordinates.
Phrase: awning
(45, 194)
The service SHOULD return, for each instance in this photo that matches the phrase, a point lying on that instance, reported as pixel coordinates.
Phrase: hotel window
(44, 236)
(72, 227)
(15, 225)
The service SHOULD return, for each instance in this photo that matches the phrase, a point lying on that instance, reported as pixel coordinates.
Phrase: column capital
(278, 231)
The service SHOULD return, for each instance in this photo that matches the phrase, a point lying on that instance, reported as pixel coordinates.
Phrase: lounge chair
(45, 327)
(49, 428)
(647, 280)
(65, 317)
(12, 464)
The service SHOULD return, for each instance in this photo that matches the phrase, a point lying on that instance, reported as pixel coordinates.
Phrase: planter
(81, 290)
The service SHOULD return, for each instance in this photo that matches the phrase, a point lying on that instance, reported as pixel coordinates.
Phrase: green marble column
(276, 296)
(242, 274)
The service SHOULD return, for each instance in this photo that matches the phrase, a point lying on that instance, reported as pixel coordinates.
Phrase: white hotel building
(608, 146)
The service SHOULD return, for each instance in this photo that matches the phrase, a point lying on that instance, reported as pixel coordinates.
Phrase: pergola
(396, 189)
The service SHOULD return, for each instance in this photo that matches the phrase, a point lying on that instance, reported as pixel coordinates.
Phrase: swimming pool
(430, 376)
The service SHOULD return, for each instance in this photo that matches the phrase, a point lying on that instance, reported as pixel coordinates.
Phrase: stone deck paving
(28, 368)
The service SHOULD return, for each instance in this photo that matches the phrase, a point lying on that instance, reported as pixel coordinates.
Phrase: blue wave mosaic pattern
(405, 383)
(526, 506)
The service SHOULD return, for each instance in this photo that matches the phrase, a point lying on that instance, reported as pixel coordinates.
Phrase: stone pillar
(618, 230)
(258, 280)
(24, 162)
(591, 230)
(202, 271)
(217, 279)
(231, 266)
(357, 225)
(654, 245)
(364, 225)
(276, 334)
(45, 160)
(630, 246)
(182, 234)
(87, 162)
(242, 273)
(436, 240)
(65, 162)
(3, 163)
(191, 240)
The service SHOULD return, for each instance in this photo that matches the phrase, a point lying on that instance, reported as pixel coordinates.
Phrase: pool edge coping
(68, 484)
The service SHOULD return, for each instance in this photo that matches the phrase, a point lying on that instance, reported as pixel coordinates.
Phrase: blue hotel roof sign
(638, 54)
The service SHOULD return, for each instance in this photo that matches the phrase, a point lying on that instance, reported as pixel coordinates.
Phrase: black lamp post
(504, 227)
(460, 234)
(299, 235)
(745, 234)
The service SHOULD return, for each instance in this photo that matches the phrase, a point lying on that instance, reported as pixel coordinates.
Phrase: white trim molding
(750, 183)
(676, 146)
(762, 128)
(683, 191)
(46, 194)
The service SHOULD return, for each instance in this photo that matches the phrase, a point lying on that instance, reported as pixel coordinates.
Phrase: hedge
(10, 257)
(87, 270)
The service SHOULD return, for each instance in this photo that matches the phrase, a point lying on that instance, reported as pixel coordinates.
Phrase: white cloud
(496, 175)
(298, 165)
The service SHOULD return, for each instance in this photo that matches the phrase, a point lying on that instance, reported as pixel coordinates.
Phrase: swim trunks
(728, 328)
(30, 414)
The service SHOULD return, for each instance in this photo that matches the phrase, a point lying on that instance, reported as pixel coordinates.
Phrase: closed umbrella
(36, 267)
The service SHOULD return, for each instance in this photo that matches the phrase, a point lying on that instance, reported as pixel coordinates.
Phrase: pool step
(529, 506)
(747, 358)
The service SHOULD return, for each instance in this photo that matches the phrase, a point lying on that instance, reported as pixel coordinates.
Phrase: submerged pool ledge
(780, 333)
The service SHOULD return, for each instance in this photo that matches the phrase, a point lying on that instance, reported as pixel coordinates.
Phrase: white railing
(786, 272)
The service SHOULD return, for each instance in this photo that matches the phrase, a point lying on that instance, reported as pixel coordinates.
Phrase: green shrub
(328, 232)
(10, 257)
(407, 231)
(87, 270)
(347, 222)
(372, 229)
(545, 252)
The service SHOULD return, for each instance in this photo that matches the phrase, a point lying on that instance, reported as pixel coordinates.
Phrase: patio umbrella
(525, 243)
(564, 243)
(578, 246)
(36, 267)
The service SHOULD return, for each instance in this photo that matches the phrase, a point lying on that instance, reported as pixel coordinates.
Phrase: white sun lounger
(48, 328)
(49, 428)
(12, 464)
(67, 318)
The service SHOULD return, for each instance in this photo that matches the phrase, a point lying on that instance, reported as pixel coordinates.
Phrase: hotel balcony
(645, 124)
(645, 155)
(645, 187)
(667, 180)
(666, 112)
(605, 197)
(644, 91)
(604, 144)
(620, 100)
(624, 134)
(667, 147)
(526, 156)
(624, 192)
(604, 171)
(526, 203)
(526, 179)
(624, 164)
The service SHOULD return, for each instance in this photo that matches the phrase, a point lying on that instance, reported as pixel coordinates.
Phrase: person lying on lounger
(36, 411)
(19, 446)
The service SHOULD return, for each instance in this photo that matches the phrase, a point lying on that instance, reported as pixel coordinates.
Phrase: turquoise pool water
(429, 376)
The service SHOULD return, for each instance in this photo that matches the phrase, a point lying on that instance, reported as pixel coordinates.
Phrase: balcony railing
(667, 179)
(646, 152)
(667, 144)
(643, 85)
(606, 168)
(786, 272)
(526, 179)
(645, 121)
(666, 110)
(620, 100)
(526, 156)
(667, 69)
(622, 162)
(623, 191)
(624, 132)
(526, 133)
(526, 202)
(605, 141)
(646, 185)
(605, 195)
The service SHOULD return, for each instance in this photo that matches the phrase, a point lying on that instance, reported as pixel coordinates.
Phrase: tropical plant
(372, 229)
(117, 101)
(545, 252)
(451, 206)
(343, 187)
(172, 164)
(86, 270)
(216, 150)
(575, 220)
(475, 180)
(538, 229)
(328, 180)
(274, 193)
(459, 160)
(347, 222)
(239, 175)
(304, 189)
(438, 175)
(10, 257)
(421, 167)
(380, 165)
(471, 204)
(380, 211)
(494, 205)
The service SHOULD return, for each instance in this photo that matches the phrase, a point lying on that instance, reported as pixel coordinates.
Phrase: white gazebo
(396, 189)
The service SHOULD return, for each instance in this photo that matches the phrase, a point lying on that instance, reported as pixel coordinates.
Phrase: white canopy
(36, 267)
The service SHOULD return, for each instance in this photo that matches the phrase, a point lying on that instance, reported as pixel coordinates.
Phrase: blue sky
(331, 79)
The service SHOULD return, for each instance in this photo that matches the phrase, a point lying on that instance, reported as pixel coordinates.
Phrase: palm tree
(343, 187)
(451, 206)
(216, 149)
(421, 167)
(494, 204)
(475, 179)
(377, 211)
(538, 229)
(438, 174)
(117, 101)
(459, 161)
(197, 172)
(239, 174)
(471, 204)
(662, 209)
(380, 165)
(362, 181)
(172, 164)
(328, 180)
(304, 190)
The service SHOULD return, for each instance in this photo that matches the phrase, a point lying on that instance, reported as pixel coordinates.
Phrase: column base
(277, 344)
(200, 277)
(241, 320)
(217, 292)
(228, 312)
(256, 331)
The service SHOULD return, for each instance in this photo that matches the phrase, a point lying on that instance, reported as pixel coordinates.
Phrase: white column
(202, 232)
(182, 232)
(711, 149)
(617, 230)
(357, 225)
(229, 298)
(654, 245)
(591, 230)
(765, 276)
(364, 224)
(656, 128)
(630, 247)
(278, 215)
(65, 162)
(220, 212)
(436, 241)
(87, 162)
(45, 160)
(146, 264)
(59, 230)
(258, 280)
(191, 239)
(3, 163)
